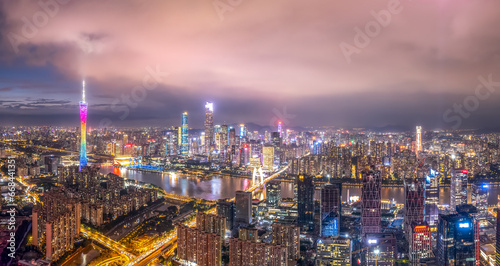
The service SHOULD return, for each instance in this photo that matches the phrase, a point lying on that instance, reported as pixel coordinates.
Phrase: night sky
(257, 60)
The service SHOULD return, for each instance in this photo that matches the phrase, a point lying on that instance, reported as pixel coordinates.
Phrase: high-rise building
(280, 128)
(209, 126)
(431, 211)
(243, 206)
(370, 202)
(420, 242)
(211, 223)
(305, 200)
(330, 209)
(249, 253)
(497, 257)
(56, 224)
(83, 128)
(273, 193)
(381, 249)
(287, 235)
(243, 131)
(268, 157)
(419, 139)
(225, 208)
(455, 240)
(458, 188)
(185, 135)
(231, 138)
(414, 203)
(333, 251)
(479, 198)
(248, 233)
(197, 246)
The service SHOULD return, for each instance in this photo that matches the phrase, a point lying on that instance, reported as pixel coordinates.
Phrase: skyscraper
(287, 235)
(479, 198)
(198, 246)
(458, 188)
(455, 240)
(83, 127)
(381, 249)
(419, 139)
(431, 211)
(370, 202)
(414, 203)
(273, 193)
(420, 242)
(243, 204)
(268, 158)
(209, 126)
(305, 200)
(280, 129)
(331, 209)
(225, 208)
(243, 131)
(185, 135)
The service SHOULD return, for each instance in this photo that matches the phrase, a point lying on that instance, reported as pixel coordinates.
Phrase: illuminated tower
(419, 139)
(184, 135)
(280, 129)
(370, 202)
(83, 126)
(209, 126)
(243, 131)
(458, 188)
(414, 203)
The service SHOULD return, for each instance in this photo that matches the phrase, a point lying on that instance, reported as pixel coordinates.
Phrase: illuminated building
(431, 212)
(414, 203)
(243, 131)
(305, 200)
(498, 232)
(331, 209)
(225, 208)
(209, 126)
(56, 224)
(185, 135)
(479, 198)
(172, 142)
(197, 246)
(268, 158)
(243, 206)
(381, 249)
(420, 242)
(211, 223)
(248, 233)
(419, 139)
(370, 202)
(455, 240)
(316, 147)
(333, 251)
(273, 193)
(287, 235)
(249, 253)
(231, 137)
(458, 188)
(83, 127)
(280, 129)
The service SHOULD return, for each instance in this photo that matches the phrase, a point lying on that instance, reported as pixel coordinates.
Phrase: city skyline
(253, 75)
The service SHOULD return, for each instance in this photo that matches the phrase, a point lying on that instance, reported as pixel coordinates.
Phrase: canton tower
(83, 127)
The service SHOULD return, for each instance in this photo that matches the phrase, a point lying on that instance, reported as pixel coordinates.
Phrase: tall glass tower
(83, 126)
(209, 126)
(184, 135)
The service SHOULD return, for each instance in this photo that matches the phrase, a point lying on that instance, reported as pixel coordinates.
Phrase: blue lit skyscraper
(243, 131)
(184, 135)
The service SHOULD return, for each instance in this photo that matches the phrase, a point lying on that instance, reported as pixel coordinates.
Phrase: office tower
(470, 210)
(316, 147)
(458, 188)
(420, 242)
(172, 142)
(330, 209)
(287, 235)
(209, 126)
(479, 198)
(370, 202)
(83, 129)
(455, 240)
(56, 224)
(211, 223)
(419, 139)
(197, 246)
(185, 136)
(381, 249)
(276, 139)
(248, 233)
(268, 157)
(333, 251)
(245, 155)
(243, 204)
(243, 131)
(231, 138)
(273, 193)
(225, 209)
(224, 131)
(250, 253)
(280, 129)
(431, 212)
(414, 203)
(305, 200)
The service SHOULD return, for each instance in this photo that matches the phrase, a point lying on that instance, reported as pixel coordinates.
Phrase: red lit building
(420, 241)
(414, 203)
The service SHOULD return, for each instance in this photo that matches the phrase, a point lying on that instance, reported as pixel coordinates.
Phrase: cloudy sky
(310, 63)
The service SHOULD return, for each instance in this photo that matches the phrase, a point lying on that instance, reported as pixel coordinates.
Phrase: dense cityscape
(249, 133)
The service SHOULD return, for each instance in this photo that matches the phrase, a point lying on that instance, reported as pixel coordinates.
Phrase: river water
(218, 187)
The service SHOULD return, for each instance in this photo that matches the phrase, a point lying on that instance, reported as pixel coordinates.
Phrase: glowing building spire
(83, 127)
